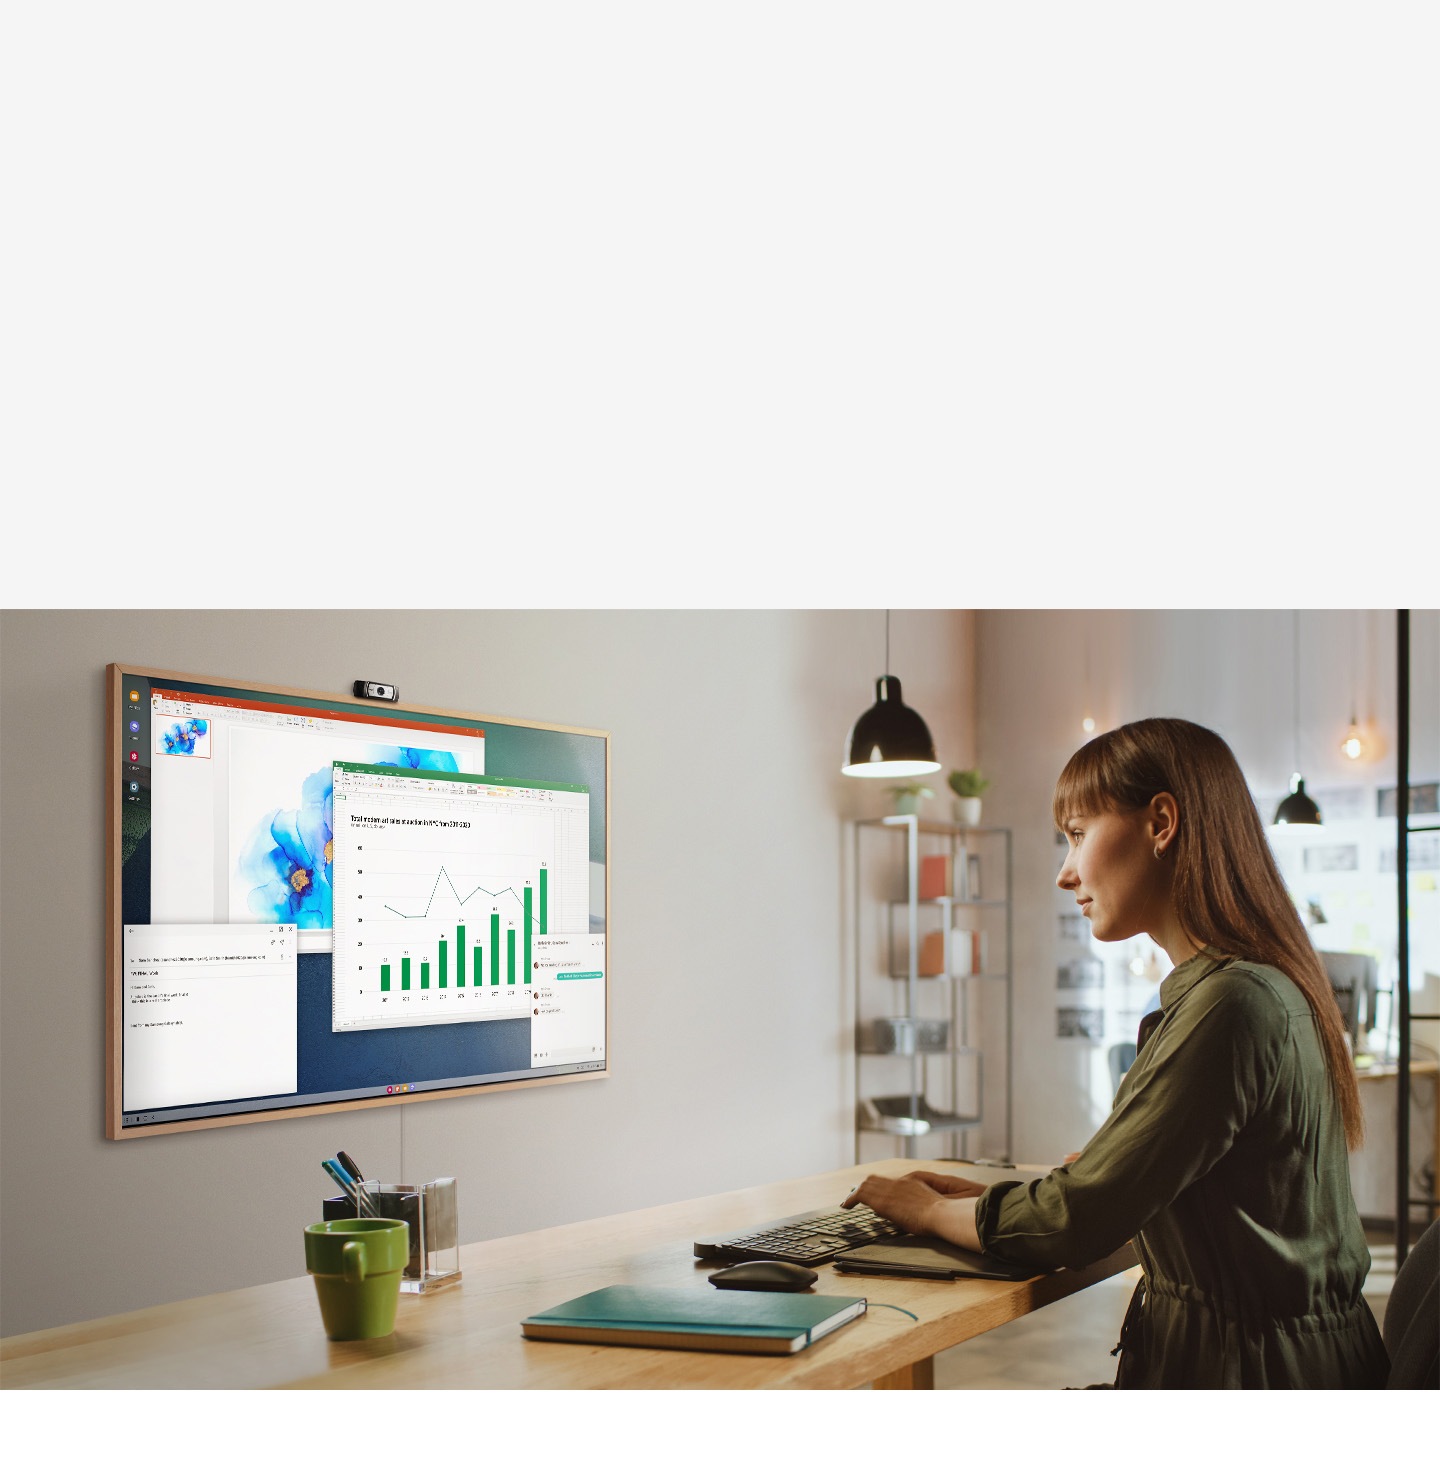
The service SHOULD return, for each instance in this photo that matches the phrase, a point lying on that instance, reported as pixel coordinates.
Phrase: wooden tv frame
(114, 958)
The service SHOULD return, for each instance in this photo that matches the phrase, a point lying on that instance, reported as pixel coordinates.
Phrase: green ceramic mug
(356, 1265)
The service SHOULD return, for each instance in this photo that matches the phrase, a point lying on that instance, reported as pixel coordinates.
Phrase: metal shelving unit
(900, 842)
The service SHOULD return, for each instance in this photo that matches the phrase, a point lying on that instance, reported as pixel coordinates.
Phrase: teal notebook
(710, 1320)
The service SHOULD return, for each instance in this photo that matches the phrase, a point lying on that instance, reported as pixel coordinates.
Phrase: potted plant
(908, 797)
(969, 787)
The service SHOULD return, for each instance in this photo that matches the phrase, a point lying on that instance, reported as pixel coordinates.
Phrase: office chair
(1412, 1316)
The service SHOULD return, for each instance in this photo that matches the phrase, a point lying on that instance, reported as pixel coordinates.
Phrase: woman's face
(1112, 870)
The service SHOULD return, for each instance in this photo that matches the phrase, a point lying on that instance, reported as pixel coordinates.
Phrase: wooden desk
(468, 1336)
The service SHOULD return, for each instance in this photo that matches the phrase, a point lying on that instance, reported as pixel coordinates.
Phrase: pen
(333, 1169)
(352, 1190)
(353, 1169)
(338, 1172)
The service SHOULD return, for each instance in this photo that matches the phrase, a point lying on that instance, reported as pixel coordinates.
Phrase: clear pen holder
(430, 1212)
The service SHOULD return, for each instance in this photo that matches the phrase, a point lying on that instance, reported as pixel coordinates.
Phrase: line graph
(541, 919)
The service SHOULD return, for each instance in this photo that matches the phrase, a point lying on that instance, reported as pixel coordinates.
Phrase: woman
(1224, 1157)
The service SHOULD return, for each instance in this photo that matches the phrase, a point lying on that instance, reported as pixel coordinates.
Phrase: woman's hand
(953, 1185)
(910, 1202)
(924, 1204)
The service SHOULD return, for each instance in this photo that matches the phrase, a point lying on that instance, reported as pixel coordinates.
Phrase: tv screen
(324, 903)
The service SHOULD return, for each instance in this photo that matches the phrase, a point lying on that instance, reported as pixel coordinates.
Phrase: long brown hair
(1228, 890)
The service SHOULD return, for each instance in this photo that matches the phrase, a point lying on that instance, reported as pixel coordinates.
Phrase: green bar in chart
(384, 977)
(405, 973)
(544, 900)
(460, 958)
(528, 903)
(509, 956)
(479, 965)
(424, 974)
(494, 949)
(444, 950)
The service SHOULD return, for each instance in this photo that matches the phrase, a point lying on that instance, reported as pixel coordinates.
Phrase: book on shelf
(968, 950)
(936, 876)
(932, 953)
(707, 1320)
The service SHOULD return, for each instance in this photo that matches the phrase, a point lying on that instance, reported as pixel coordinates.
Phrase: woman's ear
(1163, 821)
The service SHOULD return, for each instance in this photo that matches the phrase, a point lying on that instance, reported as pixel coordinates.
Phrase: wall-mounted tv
(321, 903)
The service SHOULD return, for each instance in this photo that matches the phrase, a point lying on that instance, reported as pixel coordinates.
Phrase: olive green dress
(1224, 1159)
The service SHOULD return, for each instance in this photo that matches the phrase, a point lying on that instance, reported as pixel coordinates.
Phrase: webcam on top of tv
(368, 689)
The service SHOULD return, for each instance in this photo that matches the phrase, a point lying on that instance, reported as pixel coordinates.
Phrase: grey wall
(1231, 670)
(728, 1011)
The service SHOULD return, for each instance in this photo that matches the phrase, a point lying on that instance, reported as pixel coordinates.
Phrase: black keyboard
(806, 1239)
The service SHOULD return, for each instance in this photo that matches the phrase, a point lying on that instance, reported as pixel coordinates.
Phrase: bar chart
(465, 942)
(441, 890)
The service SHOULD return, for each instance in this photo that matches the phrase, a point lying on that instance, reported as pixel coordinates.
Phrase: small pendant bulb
(1352, 745)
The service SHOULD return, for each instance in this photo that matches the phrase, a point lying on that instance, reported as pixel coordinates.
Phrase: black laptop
(928, 1257)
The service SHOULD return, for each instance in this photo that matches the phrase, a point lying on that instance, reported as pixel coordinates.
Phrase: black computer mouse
(765, 1276)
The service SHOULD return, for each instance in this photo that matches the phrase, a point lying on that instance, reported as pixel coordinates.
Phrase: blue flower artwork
(180, 738)
(287, 858)
(289, 854)
(412, 759)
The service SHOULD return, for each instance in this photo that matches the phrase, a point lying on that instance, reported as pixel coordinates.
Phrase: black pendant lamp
(889, 739)
(1297, 810)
